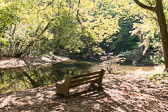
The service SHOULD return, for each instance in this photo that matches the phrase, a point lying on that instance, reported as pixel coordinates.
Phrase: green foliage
(146, 25)
(132, 54)
(35, 27)
(84, 27)
(161, 78)
(151, 57)
(157, 53)
(123, 41)
(8, 14)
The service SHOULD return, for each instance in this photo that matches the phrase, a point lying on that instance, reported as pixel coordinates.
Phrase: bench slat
(84, 75)
(84, 78)
(84, 82)
(74, 81)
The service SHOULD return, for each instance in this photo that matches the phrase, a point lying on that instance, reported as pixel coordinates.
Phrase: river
(20, 79)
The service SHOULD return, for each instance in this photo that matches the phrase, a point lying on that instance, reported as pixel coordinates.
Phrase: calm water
(37, 76)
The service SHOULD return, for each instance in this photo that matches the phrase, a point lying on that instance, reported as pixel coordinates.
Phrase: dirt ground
(132, 92)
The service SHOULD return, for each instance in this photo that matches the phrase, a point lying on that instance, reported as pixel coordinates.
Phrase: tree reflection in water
(36, 76)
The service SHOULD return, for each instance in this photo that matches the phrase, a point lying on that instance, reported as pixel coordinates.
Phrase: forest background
(81, 29)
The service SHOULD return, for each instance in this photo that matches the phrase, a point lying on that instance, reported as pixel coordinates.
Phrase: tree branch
(38, 28)
(46, 6)
(144, 6)
(77, 14)
(46, 27)
(149, 3)
(50, 3)
(153, 17)
(14, 30)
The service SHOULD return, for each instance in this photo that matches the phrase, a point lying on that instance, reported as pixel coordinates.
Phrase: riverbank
(131, 92)
(10, 62)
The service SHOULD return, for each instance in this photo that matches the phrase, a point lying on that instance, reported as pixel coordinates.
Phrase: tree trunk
(158, 9)
(163, 30)
(34, 84)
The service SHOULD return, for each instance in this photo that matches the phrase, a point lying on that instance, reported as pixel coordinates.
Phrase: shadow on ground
(120, 94)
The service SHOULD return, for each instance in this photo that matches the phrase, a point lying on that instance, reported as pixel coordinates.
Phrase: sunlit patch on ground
(147, 70)
(121, 93)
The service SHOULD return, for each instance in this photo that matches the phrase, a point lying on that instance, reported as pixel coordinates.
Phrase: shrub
(111, 62)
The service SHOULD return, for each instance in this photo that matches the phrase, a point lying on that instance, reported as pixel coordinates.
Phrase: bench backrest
(86, 78)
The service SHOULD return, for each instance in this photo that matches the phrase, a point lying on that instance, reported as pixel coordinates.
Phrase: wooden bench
(74, 81)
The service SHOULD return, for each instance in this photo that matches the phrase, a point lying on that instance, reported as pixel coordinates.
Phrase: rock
(134, 63)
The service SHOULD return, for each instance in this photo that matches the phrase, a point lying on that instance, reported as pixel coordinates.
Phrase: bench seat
(74, 81)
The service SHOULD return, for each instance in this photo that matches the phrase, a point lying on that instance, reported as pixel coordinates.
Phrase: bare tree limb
(77, 14)
(46, 6)
(152, 16)
(46, 27)
(14, 30)
(149, 3)
(50, 3)
(144, 6)
(38, 28)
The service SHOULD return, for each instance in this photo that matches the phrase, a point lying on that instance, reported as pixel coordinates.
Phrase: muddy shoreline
(10, 62)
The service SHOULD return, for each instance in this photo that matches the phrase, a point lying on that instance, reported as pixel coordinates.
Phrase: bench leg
(60, 89)
(91, 84)
(66, 93)
(99, 81)
(100, 84)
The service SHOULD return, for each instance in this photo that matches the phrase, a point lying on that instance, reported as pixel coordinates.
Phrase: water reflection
(35, 76)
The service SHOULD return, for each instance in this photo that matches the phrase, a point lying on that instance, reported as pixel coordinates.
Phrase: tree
(158, 9)
(124, 41)
(36, 27)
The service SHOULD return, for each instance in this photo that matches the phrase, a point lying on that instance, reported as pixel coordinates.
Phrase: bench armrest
(63, 86)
